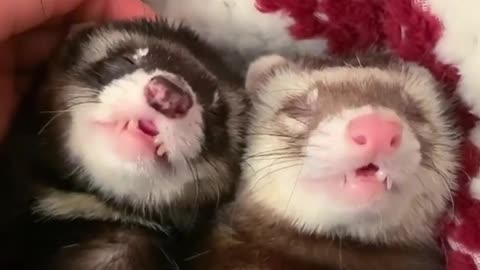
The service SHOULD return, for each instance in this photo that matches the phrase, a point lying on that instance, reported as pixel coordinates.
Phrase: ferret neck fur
(252, 217)
(54, 203)
(252, 227)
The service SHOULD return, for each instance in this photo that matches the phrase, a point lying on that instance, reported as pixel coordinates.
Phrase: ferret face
(358, 151)
(145, 117)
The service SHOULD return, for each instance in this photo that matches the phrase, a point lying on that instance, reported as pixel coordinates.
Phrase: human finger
(105, 10)
(17, 16)
(34, 47)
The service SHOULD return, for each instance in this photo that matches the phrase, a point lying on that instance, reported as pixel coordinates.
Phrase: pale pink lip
(131, 138)
(360, 186)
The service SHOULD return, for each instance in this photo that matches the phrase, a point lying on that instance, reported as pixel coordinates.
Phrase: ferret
(350, 163)
(130, 143)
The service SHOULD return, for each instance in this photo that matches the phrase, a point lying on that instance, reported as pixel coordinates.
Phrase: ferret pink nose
(375, 133)
(167, 98)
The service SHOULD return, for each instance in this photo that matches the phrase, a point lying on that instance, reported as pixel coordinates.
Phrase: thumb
(106, 10)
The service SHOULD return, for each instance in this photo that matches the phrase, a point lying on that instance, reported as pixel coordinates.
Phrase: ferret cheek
(185, 143)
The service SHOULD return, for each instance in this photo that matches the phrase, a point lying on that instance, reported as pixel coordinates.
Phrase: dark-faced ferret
(131, 143)
(350, 163)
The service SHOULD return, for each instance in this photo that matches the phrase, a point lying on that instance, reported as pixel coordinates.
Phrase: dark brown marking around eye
(129, 59)
(297, 107)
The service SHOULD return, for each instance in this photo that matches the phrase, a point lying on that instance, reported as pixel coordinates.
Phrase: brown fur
(343, 95)
(250, 241)
(249, 236)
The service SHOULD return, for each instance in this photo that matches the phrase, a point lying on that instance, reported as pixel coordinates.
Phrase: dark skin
(30, 30)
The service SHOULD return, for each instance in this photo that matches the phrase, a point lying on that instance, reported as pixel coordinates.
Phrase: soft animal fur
(287, 213)
(437, 34)
(83, 193)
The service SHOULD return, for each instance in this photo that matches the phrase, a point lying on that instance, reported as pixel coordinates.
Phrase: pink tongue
(148, 127)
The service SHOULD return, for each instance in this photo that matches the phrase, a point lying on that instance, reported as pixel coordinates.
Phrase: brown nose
(167, 98)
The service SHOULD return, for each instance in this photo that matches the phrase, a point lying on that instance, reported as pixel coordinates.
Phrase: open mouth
(148, 128)
(137, 133)
(370, 173)
(368, 170)
(144, 128)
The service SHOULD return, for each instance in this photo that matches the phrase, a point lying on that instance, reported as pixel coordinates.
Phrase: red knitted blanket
(442, 35)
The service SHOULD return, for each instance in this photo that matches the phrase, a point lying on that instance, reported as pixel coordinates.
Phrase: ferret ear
(259, 70)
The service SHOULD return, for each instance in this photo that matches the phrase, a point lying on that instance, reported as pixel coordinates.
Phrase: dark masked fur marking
(114, 234)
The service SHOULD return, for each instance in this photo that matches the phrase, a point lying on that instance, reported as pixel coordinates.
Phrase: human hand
(31, 29)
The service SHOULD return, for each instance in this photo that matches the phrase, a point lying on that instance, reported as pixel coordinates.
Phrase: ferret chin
(132, 141)
(349, 164)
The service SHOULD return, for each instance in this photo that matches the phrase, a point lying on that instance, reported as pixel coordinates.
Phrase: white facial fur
(278, 183)
(141, 181)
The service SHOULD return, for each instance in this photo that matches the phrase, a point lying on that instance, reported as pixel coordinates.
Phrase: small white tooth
(389, 183)
(381, 176)
(161, 150)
